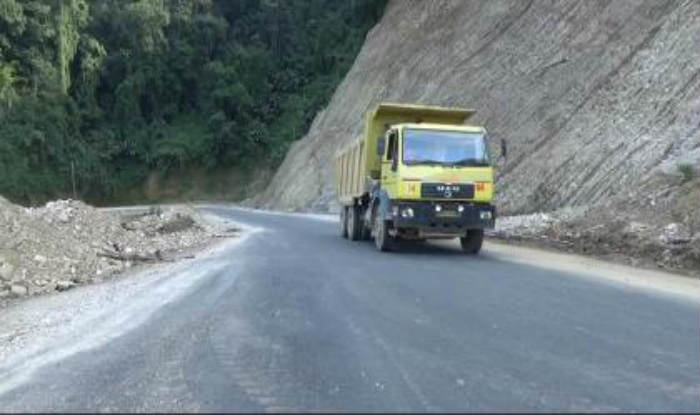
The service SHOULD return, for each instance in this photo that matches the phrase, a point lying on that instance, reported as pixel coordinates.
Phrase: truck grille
(447, 191)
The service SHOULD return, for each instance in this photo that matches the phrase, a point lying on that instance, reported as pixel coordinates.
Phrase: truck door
(390, 164)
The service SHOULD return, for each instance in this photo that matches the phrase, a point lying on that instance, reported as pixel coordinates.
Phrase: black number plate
(447, 191)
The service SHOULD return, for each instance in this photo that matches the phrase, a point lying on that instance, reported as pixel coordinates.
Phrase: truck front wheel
(471, 244)
(382, 239)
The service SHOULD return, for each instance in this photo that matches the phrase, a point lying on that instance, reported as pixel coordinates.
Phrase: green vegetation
(687, 171)
(120, 90)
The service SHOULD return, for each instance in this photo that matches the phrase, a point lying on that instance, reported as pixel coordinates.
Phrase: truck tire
(366, 233)
(471, 244)
(382, 239)
(353, 223)
(343, 221)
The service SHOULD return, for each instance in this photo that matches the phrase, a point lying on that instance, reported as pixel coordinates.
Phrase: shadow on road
(425, 248)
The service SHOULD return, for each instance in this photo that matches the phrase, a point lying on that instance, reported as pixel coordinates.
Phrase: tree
(123, 88)
(7, 84)
(72, 16)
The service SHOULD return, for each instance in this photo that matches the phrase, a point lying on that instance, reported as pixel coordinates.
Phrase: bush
(687, 171)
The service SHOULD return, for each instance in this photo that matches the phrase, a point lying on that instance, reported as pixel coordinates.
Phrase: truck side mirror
(394, 157)
(504, 148)
(381, 143)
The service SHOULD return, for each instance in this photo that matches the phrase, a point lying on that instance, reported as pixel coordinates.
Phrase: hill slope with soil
(595, 98)
(600, 102)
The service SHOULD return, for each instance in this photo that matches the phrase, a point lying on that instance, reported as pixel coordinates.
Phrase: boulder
(64, 285)
(18, 290)
(6, 270)
(675, 234)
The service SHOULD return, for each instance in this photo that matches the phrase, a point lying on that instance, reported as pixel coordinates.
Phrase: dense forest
(95, 95)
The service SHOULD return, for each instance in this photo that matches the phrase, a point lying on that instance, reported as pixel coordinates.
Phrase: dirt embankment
(67, 243)
(637, 233)
(600, 102)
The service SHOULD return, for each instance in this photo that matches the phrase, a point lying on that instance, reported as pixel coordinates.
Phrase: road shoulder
(43, 329)
(579, 265)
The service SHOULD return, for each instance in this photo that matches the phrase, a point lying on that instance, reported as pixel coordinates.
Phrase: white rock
(6, 270)
(675, 233)
(63, 217)
(18, 290)
(64, 285)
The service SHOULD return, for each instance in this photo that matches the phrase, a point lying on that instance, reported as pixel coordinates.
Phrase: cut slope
(595, 98)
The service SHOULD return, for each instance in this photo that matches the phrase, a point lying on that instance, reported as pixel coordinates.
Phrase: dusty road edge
(43, 330)
(591, 267)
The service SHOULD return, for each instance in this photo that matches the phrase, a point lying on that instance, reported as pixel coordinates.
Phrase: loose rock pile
(67, 243)
(623, 236)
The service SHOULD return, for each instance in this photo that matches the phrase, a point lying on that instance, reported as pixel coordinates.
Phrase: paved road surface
(300, 319)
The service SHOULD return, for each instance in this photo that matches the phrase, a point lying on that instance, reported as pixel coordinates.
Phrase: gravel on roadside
(67, 243)
(620, 236)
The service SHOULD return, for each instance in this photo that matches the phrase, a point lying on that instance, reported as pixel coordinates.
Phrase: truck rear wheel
(471, 244)
(366, 233)
(353, 223)
(344, 221)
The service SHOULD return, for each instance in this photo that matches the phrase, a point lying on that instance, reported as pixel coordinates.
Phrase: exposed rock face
(596, 98)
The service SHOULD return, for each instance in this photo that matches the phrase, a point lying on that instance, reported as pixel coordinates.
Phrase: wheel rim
(379, 233)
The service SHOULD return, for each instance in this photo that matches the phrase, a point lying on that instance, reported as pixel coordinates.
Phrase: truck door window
(391, 148)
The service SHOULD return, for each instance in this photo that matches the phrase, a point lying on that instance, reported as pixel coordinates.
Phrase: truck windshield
(450, 148)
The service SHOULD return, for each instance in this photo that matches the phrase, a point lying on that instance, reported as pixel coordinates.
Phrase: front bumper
(448, 219)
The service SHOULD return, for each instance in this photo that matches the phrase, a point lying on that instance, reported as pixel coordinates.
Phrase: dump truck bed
(349, 168)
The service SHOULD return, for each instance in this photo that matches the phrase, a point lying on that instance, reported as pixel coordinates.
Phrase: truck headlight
(460, 208)
(438, 208)
(486, 215)
(407, 213)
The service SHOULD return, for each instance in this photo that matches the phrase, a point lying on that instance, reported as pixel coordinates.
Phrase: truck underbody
(398, 220)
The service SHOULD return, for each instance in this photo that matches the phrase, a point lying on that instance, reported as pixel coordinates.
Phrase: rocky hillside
(600, 101)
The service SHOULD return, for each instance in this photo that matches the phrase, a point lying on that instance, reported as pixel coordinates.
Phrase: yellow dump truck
(417, 173)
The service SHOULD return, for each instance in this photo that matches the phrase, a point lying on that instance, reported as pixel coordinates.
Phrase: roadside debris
(67, 243)
(628, 237)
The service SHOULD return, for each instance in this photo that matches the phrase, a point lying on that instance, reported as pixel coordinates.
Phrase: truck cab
(438, 180)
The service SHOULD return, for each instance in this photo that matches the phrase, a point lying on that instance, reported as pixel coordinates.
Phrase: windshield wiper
(424, 161)
(470, 162)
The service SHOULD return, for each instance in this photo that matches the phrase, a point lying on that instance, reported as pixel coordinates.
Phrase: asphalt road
(298, 319)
